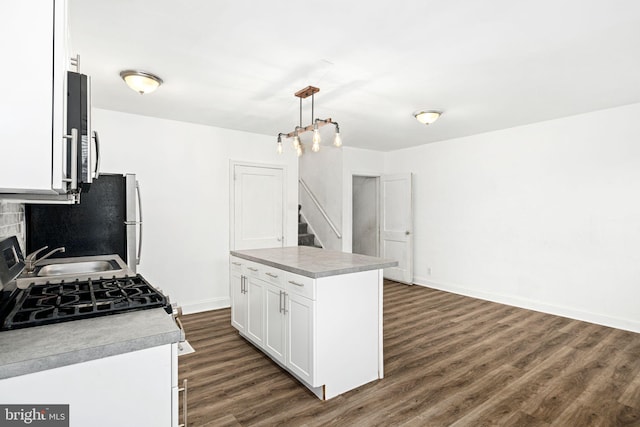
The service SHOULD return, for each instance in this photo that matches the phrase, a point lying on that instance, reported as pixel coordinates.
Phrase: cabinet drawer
(272, 275)
(236, 264)
(252, 269)
(301, 285)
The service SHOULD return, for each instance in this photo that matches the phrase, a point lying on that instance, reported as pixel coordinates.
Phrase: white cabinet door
(275, 324)
(255, 310)
(32, 95)
(300, 346)
(238, 302)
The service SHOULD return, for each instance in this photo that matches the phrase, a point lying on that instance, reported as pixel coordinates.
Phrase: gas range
(42, 304)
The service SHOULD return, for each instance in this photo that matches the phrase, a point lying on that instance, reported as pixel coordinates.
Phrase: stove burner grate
(59, 302)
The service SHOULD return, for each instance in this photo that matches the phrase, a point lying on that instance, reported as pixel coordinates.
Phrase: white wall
(321, 171)
(545, 216)
(183, 170)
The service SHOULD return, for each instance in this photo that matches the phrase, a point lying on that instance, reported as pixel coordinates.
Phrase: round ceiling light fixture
(141, 81)
(427, 117)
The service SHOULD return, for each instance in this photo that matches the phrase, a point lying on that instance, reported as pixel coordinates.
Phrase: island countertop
(314, 262)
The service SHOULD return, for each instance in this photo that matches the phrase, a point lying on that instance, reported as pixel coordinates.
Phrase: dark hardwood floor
(449, 360)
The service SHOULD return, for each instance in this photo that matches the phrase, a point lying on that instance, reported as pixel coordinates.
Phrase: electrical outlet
(428, 271)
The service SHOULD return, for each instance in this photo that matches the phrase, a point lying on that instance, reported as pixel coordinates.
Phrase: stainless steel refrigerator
(108, 220)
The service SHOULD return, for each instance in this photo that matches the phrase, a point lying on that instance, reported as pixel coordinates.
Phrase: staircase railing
(320, 208)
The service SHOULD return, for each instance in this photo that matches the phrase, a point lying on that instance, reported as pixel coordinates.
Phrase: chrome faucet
(30, 261)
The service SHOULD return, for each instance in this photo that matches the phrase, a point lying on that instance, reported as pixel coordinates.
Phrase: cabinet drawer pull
(235, 263)
(296, 283)
(252, 269)
(184, 403)
(271, 275)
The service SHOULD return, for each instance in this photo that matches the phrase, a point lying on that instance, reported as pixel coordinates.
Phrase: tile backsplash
(12, 221)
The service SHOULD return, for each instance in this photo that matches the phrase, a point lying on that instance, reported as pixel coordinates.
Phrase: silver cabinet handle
(242, 279)
(284, 306)
(184, 403)
(296, 283)
(407, 233)
(280, 302)
(236, 263)
(73, 179)
(252, 269)
(96, 139)
(271, 275)
(140, 212)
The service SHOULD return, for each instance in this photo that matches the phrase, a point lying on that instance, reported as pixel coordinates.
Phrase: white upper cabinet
(32, 96)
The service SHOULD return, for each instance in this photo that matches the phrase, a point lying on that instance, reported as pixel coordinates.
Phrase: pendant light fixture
(315, 126)
(141, 81)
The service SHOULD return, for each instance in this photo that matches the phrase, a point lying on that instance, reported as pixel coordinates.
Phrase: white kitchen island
(317, 313)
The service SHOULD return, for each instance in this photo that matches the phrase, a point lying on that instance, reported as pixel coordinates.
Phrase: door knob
(407, 233)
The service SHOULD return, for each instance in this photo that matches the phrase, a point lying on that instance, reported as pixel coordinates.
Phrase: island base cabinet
(348, 333)
(275, 324)
(130, 389)
(327, 332)
(300, 348)
(238, 301)
(255, 310)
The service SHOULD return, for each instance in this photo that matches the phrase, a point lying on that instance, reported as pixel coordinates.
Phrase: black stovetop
(73, 300)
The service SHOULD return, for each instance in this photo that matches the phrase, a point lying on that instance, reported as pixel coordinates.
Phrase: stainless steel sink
(82, 267)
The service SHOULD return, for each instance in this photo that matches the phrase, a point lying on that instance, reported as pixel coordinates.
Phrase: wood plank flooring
(450, 360)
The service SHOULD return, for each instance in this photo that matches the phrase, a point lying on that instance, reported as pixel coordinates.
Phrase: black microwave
(80, 158)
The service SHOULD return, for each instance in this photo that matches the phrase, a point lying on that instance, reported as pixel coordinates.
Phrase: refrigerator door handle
(140, 222)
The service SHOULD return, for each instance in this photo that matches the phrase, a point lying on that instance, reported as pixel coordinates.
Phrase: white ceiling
(488, 65)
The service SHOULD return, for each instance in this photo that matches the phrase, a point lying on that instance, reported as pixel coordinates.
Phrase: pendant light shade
(141, 81)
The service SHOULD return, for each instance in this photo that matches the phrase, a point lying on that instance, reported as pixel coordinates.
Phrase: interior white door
(396, 234)
(258, 207)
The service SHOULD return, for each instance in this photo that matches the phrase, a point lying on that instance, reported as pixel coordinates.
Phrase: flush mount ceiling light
(141, 81)
(315, 126)
(427, 117)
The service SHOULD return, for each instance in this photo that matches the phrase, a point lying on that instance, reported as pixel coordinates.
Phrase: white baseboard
(205, 305)
(572, 313)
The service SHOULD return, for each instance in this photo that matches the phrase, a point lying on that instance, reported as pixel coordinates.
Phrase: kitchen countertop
(314, 262)
(29, 350)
